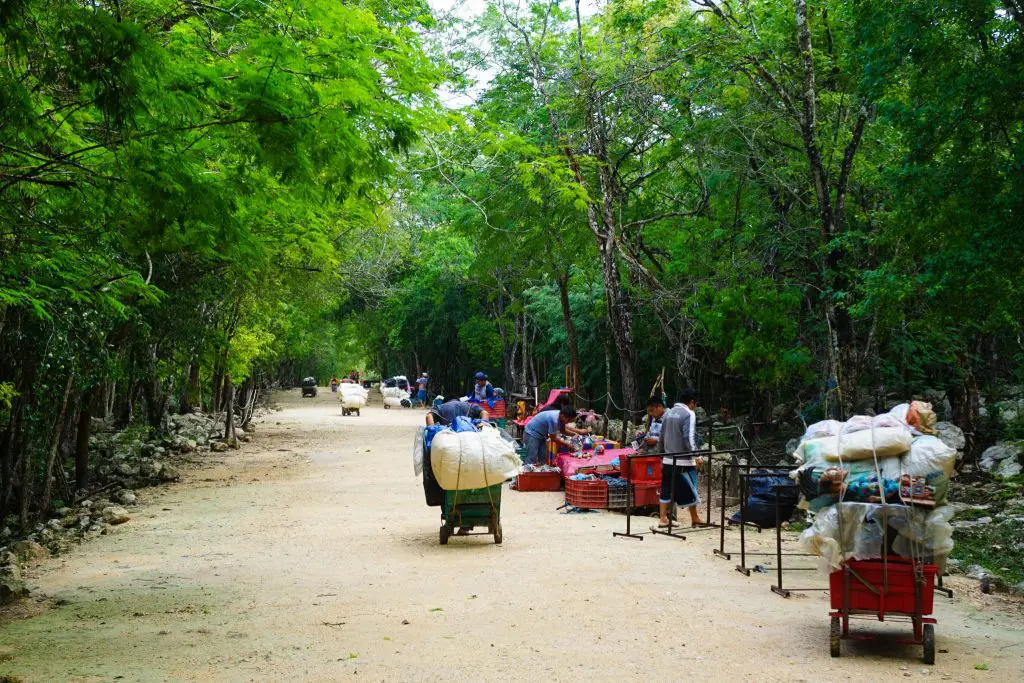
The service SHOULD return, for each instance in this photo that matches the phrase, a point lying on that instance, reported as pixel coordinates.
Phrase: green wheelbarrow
(470, 509)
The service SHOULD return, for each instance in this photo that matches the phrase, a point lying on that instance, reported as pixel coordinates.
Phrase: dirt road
(311, 556)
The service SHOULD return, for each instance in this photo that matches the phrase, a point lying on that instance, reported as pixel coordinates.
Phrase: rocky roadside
(125, 461)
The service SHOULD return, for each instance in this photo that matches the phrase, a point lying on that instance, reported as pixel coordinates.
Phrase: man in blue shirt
(550, 423)
(446, 413)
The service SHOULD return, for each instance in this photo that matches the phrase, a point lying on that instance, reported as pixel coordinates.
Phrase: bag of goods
(825, 483)
(860, 437)
(925, 472)
(392, 401)
(857, 531)
(920, 477)
(472, 460)
(353, 396)
(916, 414)
(394, 392)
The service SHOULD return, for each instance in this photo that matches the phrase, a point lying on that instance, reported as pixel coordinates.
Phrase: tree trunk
(58, 432)
(229, 419)
(82, 440)
(570, 327)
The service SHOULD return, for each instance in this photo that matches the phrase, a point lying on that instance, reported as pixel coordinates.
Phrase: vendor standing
(679, 435)
(446, 413)
(482, 390)
(655, 413)
(549, 424)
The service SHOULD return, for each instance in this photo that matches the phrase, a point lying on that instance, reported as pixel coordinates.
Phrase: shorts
(686, 485)
(421, 395)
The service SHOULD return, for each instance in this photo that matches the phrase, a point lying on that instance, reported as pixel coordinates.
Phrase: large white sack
(351, 401)
(394, 392)
(859, 445)
(472, 460)
(392, 402)
(352, 389)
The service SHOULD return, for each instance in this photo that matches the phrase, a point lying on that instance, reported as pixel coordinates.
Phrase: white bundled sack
(392, 401)
(353, 396)
(394, 392)
(351, 401)
(860, 438)
(472, 460)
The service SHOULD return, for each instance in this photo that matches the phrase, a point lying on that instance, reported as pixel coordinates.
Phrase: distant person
(421, 389)
(334, 384)
(656, 413)
(482, 390)
(446, 413)
(679, 435)
(545, 426)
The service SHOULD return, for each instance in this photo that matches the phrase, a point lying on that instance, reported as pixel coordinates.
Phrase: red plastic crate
(591, 494)
(539, 481)
(900, 596)
(498, 411)
(645, 495)
(646, 469)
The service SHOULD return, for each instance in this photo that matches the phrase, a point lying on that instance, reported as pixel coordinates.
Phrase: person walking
(679, 435)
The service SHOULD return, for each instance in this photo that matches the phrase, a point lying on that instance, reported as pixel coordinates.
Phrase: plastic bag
(859, 444)
(928, 534)
(417, 452)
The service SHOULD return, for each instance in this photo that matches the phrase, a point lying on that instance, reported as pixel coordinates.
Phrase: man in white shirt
(679, 435)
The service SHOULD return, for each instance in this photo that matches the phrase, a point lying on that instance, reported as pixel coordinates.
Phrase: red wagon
(889, 589)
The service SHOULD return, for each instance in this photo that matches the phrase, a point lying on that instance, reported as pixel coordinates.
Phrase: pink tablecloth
(568, 464)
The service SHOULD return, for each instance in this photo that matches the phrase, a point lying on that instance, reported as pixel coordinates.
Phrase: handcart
(469, 509)
(888, 589)
(345, 412)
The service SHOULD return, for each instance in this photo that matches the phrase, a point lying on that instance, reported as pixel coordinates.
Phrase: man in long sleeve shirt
(679, 435)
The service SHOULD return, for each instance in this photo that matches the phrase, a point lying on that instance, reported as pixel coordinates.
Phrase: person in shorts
(679, 435)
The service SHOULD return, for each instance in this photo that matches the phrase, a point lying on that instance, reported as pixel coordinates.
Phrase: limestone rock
(977, 572)
(951, 435)
(115, 514)
(169, 473)
(126, 497)
(11, 584)
(218, 446)
(992, 459)
(29, 551)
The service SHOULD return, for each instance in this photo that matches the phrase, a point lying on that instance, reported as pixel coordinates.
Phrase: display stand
(628, 469)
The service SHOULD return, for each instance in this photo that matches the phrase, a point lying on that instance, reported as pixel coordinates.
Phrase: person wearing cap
(446, 413)
(482, 390)
(421, 391)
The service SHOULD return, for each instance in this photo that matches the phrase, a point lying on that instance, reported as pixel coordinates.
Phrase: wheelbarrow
(469, 509)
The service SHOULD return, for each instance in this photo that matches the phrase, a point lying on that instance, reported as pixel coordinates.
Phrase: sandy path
(303, 557)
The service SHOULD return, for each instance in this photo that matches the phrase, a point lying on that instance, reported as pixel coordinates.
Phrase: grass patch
(999, 546)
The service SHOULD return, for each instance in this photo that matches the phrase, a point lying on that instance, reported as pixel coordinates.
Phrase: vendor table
(568, 464)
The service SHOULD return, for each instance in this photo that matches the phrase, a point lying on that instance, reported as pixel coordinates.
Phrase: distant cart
(471, 509)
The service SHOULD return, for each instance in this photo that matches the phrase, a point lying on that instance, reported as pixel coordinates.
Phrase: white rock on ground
(115, 514)
(992, 460)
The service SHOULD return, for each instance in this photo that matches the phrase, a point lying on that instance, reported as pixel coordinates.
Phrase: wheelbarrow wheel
(835, 633)
(929, 643)
(357, 412)
(446, 533)
(497, 534)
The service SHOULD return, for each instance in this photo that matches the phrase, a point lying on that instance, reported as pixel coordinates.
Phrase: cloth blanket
(569, 464)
